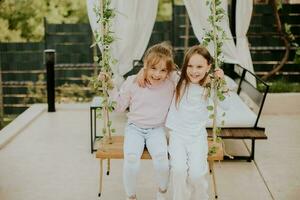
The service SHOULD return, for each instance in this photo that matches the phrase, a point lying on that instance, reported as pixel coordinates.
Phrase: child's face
(156, 74)
(197, 67)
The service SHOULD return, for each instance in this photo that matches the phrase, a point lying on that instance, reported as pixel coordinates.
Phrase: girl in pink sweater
(148, 108)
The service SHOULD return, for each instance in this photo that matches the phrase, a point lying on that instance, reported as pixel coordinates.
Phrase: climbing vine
(217, 87)
(285, 33)
(104, 38)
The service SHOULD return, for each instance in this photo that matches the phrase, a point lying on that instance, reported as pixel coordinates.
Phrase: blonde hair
(157, 52)
(184, 80)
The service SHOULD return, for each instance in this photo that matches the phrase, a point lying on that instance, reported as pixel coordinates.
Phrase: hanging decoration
(104, 38)
(217, 87)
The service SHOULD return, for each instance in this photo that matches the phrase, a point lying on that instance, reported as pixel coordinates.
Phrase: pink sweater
(148, 107)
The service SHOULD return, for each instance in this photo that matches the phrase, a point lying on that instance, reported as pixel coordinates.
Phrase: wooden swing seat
(115, 151)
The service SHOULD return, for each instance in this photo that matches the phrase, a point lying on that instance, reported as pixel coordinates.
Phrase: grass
(281, 86)
(7, 119)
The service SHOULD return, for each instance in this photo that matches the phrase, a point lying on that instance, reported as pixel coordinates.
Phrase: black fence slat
(270, 55)
(11, 90)
(10, 110)
(268, 67)
(263, 9)
(290, 8)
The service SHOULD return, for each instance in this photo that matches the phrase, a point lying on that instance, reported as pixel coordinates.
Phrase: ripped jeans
(135, 140)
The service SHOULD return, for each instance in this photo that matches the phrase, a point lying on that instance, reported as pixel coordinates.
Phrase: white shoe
(161, 196)
(127, 198)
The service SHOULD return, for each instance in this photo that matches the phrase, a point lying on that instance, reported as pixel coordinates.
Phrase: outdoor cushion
(237, 115)
(231, 84)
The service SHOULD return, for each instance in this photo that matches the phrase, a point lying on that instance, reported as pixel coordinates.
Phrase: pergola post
(233, 20)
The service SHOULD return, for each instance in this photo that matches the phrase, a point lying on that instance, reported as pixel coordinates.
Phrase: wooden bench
(242, 133)
(258, 98)
(115, 151)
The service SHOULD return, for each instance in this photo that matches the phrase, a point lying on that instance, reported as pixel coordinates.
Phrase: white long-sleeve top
(189, 117)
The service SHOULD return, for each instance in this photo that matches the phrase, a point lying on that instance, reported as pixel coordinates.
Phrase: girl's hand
(141, 78)
(219, 73)
(103, 76)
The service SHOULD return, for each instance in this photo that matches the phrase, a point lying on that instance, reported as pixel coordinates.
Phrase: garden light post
(49, 59)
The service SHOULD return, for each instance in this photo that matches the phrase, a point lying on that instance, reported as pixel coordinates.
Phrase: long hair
(184, 80)
(157, 52)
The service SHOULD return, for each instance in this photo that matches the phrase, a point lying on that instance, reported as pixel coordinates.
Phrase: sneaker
(161, 196)
(128, 198)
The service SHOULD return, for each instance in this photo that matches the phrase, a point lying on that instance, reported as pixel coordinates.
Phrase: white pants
(134, 143)
(189, 167)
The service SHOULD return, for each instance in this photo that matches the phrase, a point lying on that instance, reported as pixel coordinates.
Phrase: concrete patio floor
(48, 157)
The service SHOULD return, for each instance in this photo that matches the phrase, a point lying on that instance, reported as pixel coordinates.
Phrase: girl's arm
(174, 76)
(141, 78)
(122, 96)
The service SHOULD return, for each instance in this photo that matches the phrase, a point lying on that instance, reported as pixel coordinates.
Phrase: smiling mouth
(194, 76)
(156, 79)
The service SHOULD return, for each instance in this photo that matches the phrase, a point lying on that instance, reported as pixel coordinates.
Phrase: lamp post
(49, 59)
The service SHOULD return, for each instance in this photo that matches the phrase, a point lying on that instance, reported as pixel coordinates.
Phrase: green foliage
(212, 150)
(7, 119)
(105, 15)
(215, 35)
(164, 12)
(65, 93)
(289, 35)
(291, 38)
(280, 86)
(178, 2)
(22, 20)
(36, 92)
(73, 93)
(297, 56)
(220, 95)
(8, 34)
(218, 131)
(278, 4)
(210, 108)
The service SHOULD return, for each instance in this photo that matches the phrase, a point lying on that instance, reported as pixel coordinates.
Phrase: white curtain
(198, 12)
(243, 18)
(132, 27)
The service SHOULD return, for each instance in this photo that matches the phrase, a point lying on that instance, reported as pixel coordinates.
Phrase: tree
(287, 37)
(22, 20)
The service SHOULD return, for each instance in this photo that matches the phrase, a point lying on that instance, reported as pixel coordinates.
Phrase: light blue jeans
(134, 143)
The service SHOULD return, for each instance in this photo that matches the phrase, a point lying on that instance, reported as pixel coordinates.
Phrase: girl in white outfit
(186, 120)
(148, 108)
